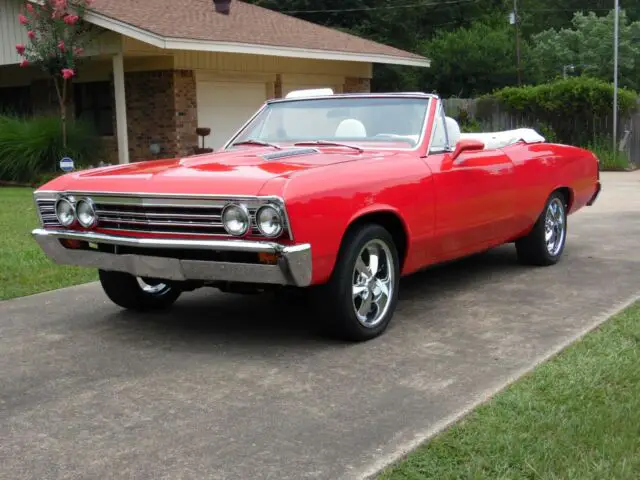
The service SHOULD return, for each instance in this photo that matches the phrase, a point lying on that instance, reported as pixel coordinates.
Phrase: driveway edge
(49, 292)
(404, 449)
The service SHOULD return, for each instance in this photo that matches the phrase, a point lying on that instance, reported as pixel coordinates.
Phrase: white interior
(453, 131)
(493, 140)
(351, 128)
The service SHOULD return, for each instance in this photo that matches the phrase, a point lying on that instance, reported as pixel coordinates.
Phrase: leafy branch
(57, 36)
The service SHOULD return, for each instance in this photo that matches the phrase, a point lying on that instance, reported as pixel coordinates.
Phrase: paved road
(230, 388)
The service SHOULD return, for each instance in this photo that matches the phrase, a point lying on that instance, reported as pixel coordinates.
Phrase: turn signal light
(75, 244)
(268, 258)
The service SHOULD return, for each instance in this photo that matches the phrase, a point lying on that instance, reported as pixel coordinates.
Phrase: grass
(24, 269)
(609, 159)
(574, 417)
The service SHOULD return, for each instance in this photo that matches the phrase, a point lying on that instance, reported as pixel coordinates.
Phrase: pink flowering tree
(57, 36)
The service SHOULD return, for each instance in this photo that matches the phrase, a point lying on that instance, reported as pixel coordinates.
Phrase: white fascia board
(170, 43)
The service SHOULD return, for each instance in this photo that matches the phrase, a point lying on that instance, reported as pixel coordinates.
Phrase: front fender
(322, 204)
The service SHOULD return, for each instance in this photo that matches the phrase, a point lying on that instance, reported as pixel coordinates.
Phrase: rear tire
(361, 296)
(544, 245)
(128, 292)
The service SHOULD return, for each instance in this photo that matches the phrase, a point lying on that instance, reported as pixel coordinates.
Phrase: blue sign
(66, 164)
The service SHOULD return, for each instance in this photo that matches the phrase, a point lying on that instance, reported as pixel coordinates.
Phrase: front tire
(362, 294)
(133, 293)
(544, 245)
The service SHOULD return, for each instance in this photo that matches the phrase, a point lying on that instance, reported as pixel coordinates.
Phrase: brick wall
(149, 97)
(357, 85)
(161, 108)
(186, 113)
(109, 150)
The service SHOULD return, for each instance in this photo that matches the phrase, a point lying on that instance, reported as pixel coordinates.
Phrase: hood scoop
(294, 152)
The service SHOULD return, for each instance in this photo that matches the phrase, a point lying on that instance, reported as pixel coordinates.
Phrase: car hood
(240, 172)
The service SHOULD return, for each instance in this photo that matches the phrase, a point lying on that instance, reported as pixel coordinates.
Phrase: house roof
(195, 25)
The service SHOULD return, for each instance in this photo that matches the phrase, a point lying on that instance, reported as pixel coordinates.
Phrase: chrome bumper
(293, 262)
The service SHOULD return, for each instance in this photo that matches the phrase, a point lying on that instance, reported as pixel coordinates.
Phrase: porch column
(121, 108)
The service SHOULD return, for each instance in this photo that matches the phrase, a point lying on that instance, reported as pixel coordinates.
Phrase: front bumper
(292, 267)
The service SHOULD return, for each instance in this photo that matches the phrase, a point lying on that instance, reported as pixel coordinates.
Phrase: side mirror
(467, 145)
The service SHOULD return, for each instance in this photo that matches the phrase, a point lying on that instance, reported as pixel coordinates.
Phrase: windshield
(365, 121)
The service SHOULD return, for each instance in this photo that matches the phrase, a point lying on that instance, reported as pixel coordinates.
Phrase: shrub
(31, 148)
(609, 159)
(575, 109)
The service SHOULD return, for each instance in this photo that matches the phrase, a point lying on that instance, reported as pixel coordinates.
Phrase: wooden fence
(574, 131)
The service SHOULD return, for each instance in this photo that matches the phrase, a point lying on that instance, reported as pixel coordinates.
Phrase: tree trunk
(62, 102)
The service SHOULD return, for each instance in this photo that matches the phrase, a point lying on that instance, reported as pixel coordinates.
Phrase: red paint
(448, 208)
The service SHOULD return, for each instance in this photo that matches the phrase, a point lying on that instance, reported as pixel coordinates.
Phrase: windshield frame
(419, 144)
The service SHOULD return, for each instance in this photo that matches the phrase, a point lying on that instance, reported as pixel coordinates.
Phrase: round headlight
(66, 212)
(270, 221)
(236, 220)
(86, 213)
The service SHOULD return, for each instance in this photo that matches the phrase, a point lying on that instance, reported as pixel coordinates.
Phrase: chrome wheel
(153, 287)
(373, 283)
(554, 227)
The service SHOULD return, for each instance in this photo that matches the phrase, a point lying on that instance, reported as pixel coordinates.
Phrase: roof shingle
(246, 24)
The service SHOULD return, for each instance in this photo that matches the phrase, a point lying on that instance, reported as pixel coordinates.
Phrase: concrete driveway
(230, 387)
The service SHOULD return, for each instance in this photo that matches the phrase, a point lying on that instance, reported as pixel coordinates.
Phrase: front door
(475, 195)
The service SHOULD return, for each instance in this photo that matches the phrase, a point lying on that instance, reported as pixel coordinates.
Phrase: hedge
(30, 148)
(576, 109)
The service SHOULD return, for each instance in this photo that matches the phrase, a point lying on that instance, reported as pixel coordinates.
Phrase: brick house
(161, 68)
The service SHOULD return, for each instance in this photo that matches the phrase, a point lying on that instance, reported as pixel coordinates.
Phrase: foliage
(609, 159)
(573, 108)
(467, 123)
(57, 36)
(32, 147)
(460, 59)
(570, 96)
(400, 23)
(403, 24)
(412, 26)
(547, 132)
(539, 15)
(588, 45)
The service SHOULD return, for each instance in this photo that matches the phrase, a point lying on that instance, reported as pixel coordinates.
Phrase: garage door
(225, 107)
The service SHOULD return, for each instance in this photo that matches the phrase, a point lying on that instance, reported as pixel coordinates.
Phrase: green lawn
(24, 269)
(575, 417)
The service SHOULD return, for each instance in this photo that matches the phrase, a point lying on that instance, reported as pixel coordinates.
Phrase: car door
(475, 195)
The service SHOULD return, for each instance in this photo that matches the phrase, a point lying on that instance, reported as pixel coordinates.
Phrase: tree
(57, 37)
(404, 24)
(588, 45)
(472, 61)
(540, 15)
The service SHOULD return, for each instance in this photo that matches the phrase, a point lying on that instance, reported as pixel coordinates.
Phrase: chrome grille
(200, 219)
(47, 212)
(156, 214)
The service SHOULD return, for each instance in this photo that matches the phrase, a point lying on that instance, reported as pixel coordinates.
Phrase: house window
(15, 101)
(93, 104)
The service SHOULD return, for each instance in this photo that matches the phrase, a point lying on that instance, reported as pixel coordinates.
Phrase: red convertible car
(339, 195)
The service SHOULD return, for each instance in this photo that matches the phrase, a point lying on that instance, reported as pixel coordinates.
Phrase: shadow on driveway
(207, 317)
